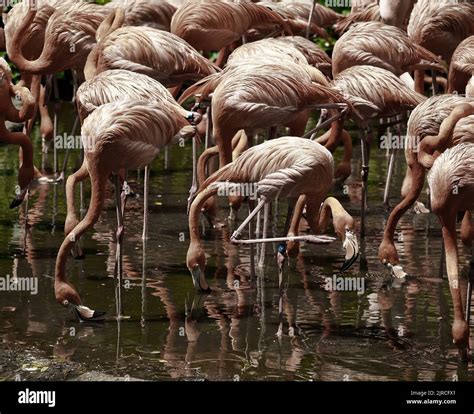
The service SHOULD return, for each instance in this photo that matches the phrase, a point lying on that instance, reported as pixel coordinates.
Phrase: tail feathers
(204, 87)
(430, 60)
(264, 14)
(370, 13)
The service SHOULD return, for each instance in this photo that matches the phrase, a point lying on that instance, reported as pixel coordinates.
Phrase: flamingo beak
(19, 198)
(352, 250)
(84, 313)
(199, 279)
(396, 271)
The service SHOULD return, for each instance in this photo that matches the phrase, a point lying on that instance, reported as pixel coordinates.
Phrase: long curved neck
(240, 145)
(111, 23)
(99, 183)
(331, 138)
(18, 138)
(347, 142)
(15, 52)
(194, 213)
(28, 105)
(331, 207)
(439, 143)
(203, 162)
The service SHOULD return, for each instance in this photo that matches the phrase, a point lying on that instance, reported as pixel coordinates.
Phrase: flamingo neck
(99, 183)
(18, 138)
(334, 135)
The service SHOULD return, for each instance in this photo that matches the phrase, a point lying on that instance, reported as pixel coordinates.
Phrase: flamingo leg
(310, 18)
(208, 127)
(120, 198)
(391, 165)
(251, 205)
(167, 158)
(245, 223)
(469, 291)
(194, 184)
(414, 185)
(55, 126)
(266, 211)
(66, 156)
(145, 203)
(460, 328)
(365, 177)
(434, 82)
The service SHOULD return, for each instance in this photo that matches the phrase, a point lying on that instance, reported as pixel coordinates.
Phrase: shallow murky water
(398, 331)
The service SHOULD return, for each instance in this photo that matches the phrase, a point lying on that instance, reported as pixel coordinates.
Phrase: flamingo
(69, 38)
(461, 69)
(107, 87)
(261, 95)
(424, 121)
(451, 182)
(391, 12)
(374, 93)
(322, 16)
(297, 48)
(214, 25)
(284, 167)
(440, 27)
(8, 112)
(298, 15)
(455, 129)
(158, 54)
(314, 54)
(387, 47)
(68, 30)
(117, 136)
(152, 13)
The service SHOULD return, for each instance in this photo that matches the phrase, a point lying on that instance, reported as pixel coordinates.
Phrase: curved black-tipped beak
(85, 314)
(396, 271)
(352, 250)
(199, 280)
(19, 198)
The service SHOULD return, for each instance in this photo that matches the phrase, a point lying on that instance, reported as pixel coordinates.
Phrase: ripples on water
(389, 332)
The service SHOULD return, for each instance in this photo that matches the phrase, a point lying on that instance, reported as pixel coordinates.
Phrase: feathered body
(33, 37)
(379, 89)
(266, 94)
(152, 13)
(156, 53)
(116, 136)
(462, 66)
(115, 85)
(212, 25)
(452, 175)
(297, 15)
(369, 13)
(441, 26)
(262, 49)
(381, 45)
(322, 16)
(69, 37)
(129, 134)
(464, 131)
(315, 56)
(287, 167)
(426, 119)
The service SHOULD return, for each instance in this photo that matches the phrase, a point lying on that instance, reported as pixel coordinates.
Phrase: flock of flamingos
(149, 73)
